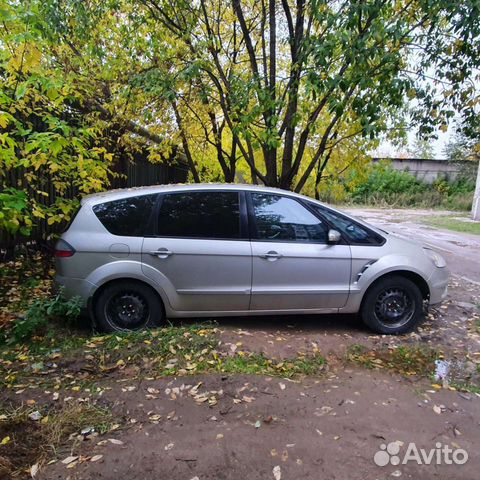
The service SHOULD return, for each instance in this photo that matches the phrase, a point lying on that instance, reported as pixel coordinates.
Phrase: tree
(47, 147)
(286, 78)
(422, 148)
(462, 147)
(271, 88)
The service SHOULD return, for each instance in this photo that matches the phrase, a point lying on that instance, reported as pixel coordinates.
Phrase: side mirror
(334, 236)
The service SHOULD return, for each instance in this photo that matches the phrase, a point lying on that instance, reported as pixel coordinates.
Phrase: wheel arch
(100, 288)
(414, 277)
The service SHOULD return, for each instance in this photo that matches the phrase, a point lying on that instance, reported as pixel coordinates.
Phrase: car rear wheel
(393, 305)
(127, 306)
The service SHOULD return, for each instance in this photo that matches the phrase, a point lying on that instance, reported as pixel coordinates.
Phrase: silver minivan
(139, 256)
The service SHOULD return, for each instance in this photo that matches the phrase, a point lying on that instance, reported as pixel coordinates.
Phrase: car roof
(120, 193)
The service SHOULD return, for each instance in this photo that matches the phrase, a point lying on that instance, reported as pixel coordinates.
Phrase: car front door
(201, 255)
(294, 267)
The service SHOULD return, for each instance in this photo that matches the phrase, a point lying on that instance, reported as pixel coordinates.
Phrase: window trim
(254, 236)
(312, 207)
(243, 218)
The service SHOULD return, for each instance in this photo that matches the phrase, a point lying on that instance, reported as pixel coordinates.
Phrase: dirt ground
(327, 426)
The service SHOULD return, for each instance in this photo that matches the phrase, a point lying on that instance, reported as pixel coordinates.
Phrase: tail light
(63, 249)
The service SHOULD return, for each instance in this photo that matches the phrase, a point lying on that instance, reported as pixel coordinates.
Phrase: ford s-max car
(139, 256)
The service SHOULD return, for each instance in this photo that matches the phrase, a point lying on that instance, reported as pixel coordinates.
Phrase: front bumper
(438, 284)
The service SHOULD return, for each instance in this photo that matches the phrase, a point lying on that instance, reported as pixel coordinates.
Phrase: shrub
(387, 187)
(385, 181)
(43, 311)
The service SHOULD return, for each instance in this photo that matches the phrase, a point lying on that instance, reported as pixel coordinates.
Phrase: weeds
(42, 312)
(386, 187)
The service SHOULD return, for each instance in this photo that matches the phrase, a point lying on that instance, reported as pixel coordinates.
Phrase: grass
(406, 360)
(167, 351)
(452, 223)
(463, 387)
(33, 442)
(260, 365)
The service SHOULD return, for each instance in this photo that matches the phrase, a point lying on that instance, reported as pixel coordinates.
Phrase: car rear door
(200, 254)
(294, 268)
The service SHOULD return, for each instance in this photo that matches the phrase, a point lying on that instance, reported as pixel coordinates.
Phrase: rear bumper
(438, 284)
(75, 287)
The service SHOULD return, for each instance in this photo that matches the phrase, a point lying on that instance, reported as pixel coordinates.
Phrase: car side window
(200, 215)
(128, 217)
(356, 233)
(279, 218)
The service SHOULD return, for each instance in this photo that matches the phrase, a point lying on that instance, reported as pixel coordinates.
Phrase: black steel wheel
(392, 305)
(128, 306)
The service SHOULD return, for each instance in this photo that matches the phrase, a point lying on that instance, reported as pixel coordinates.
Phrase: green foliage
(48, 144)
(385, 180)
(43, 311)
(385, 186)
(14, 211)
(270, 107)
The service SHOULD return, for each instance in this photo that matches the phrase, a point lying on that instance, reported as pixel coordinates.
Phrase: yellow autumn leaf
(3, 120)
(5, 440)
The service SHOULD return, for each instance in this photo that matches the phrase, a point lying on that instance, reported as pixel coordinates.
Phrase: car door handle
(271, 255)
(161, 253)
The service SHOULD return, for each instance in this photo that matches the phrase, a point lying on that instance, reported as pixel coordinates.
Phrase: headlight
(435, 257)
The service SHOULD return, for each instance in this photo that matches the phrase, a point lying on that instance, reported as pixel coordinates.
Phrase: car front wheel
(127, 306)
(393, 305)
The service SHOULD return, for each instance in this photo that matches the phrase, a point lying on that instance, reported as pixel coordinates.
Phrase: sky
(387, 149)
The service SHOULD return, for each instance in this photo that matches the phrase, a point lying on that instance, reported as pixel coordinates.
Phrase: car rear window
(200, 215)
(128, 217)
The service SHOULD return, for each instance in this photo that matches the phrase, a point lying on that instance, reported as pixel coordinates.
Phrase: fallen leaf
(96, 458)
(5, 440)
(34, 470)
(258, 424)
(169, 446)
(437, 409)
(69, 459)
(282, 386)
(115, 441)
(277, 472)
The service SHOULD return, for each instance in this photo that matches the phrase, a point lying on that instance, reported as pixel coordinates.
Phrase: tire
(126, 306)
(393, 305)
